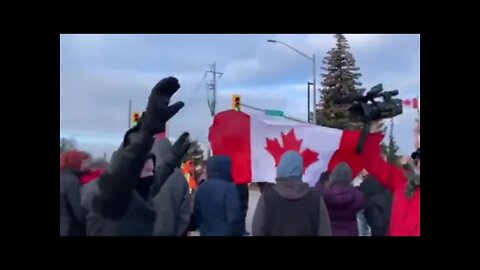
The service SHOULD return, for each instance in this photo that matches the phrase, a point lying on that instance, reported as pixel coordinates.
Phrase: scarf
(143, 186)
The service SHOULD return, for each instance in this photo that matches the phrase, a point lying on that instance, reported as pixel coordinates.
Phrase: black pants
(243, 194)
(265, 186)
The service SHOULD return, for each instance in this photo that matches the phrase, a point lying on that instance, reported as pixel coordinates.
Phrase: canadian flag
(411, 102)
(255, 143)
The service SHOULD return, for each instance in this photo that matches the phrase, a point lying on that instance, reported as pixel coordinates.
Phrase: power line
(213, 86)
(200, 84)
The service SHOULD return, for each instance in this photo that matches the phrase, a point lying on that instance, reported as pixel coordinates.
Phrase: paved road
(254, 195)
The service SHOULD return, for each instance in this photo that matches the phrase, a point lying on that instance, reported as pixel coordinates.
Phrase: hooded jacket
(379, 204)
(173, 206)
(114, 207)
(217, 204)
(343, 201)
(72, 215)
(293, 193)
(405, 216)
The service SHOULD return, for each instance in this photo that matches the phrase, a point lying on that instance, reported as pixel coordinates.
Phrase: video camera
(362, 111)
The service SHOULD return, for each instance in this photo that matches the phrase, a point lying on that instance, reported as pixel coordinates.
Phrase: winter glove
(158, 110)
(181, 146)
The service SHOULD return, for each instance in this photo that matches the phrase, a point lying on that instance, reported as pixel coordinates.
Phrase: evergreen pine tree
(194, 153)
(392, 156)
(391, 148)
(339, 81)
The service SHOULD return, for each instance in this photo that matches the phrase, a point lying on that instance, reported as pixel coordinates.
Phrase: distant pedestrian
(73, 165)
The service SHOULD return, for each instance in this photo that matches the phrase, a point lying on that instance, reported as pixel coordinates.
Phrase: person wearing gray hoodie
(173, 206)
(291, 207)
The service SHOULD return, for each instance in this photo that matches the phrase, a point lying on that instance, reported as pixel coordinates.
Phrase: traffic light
(135, 117)
(236, 102)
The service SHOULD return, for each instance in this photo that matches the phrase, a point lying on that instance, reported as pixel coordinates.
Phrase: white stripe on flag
(324, 141)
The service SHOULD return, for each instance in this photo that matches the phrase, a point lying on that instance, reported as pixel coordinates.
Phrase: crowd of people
(142, 191)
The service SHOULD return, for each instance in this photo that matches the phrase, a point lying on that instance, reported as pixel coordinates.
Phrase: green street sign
(273, 113)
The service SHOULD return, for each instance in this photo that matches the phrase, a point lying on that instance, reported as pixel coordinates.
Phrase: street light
(311, 58)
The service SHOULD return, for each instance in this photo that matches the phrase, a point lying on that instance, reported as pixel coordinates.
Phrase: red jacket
(405, 219)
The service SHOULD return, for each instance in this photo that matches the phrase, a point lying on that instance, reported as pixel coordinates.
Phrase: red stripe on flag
(406, 102)
(346, 152)
(230, 135)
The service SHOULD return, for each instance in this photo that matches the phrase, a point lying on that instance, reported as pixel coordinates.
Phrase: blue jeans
(363, 228)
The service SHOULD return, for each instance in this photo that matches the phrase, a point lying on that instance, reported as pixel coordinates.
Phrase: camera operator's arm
(390, 176)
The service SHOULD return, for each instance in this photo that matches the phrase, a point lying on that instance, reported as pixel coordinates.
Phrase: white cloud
(243, 69)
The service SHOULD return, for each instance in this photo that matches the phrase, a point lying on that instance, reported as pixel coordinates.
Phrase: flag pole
(417, 136)
(418, 108)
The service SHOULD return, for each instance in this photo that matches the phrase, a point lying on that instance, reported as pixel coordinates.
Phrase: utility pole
(314, 89)
(129, 113)
(284, 116)
(310, 117)
(213, 87)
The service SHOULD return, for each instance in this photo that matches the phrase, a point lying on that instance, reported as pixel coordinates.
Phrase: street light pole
(314, 90)
(313, 59)
(129, 113)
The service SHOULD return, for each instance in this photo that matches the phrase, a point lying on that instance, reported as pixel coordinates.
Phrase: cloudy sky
(100, 73)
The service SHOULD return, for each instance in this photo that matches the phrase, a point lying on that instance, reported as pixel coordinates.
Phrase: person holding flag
(405, 216)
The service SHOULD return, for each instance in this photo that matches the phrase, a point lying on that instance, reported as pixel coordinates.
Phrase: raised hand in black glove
(181, 146)
(158, 110)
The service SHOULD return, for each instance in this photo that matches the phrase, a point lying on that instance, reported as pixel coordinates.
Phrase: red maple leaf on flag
(290, 143)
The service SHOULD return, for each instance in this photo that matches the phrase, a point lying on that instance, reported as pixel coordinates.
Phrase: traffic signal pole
(129, 113)
(284, 116)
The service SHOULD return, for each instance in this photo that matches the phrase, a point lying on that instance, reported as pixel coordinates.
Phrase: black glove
(158, 109)
(181, 146)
